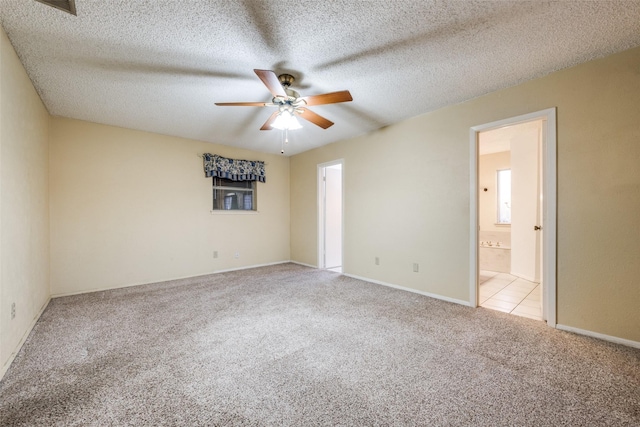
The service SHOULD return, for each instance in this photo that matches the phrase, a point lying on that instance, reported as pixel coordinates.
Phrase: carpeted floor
(287, 345)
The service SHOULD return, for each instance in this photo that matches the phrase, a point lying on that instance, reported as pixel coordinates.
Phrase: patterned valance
(235, 170)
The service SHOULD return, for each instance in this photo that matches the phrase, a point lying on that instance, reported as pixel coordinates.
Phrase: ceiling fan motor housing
(286, 80)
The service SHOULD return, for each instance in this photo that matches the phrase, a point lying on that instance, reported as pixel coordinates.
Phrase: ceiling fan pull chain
(285, 139)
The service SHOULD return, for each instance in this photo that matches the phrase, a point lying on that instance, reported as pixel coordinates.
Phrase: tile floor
(511, 294)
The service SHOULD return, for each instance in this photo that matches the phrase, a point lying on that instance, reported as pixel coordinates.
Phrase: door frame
(549, 218)
(321, 213)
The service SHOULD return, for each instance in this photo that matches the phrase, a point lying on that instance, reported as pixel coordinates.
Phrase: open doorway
(330, 215)
(513, 178)
(509, 202)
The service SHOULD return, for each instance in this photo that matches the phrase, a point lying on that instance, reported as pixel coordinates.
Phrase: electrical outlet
(237, 255)
(415, 267)
(13, 310)
(377, 261)
(215, 254)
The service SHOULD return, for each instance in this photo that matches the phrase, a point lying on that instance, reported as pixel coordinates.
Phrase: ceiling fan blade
(272, 83)
(314, 118)
(242, 104)
(328, 98)
(270, 120)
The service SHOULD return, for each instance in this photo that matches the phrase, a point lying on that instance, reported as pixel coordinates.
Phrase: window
(504, 196)
(234, 182)
(234, 195)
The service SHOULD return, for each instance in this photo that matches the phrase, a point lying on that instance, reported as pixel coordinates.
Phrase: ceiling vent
(68, 6)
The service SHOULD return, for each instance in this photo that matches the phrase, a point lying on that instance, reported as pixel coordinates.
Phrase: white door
(525, 204)
(330, 216)
(333, 217)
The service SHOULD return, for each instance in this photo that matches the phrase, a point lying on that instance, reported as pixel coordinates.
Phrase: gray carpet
(292, 346)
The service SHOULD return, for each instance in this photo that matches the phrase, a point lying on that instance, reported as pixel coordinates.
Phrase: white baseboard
(6, 366)
(628, 343)
(88, 291)
(303, 264)
(248, 267)
(415, 291)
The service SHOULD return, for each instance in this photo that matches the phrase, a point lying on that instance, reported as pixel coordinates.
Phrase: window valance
(235, 170)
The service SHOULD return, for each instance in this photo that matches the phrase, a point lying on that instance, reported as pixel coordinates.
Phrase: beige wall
(488, 165)
(409, 217)
(24, 224)
(426, 219)
(130, 207)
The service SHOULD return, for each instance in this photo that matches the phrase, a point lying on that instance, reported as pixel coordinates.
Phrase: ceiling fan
(289, 102)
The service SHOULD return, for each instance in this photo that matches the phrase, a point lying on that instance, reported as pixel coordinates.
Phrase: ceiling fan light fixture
(286, 120)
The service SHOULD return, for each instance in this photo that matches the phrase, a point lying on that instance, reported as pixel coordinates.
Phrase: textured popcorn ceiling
(159, 65)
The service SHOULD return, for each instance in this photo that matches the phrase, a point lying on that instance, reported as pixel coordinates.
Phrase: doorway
(509, 202)
(528, 239)
(330, 224)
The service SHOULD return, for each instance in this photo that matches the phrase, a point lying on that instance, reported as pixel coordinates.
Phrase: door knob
(536, 228)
